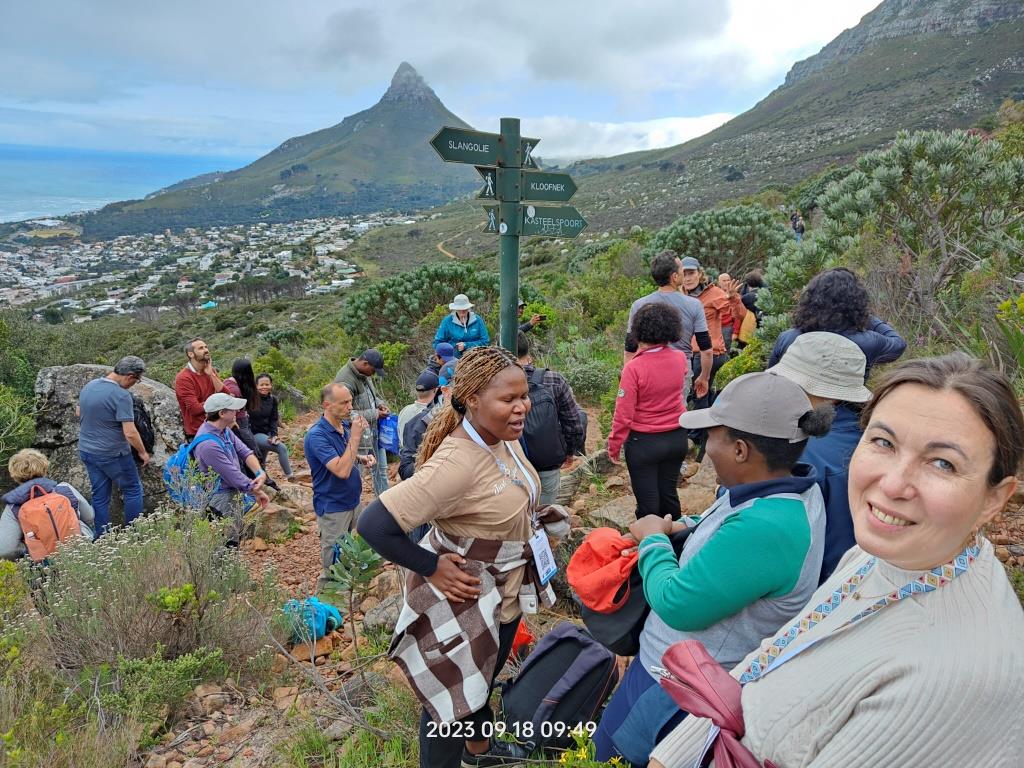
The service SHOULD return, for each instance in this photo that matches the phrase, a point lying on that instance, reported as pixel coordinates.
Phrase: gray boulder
(57, 391)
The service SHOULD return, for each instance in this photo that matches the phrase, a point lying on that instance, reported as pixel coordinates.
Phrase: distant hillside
(377, 159)
(909, 64)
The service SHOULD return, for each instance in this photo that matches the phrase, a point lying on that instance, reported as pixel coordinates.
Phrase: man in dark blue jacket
(830, 368)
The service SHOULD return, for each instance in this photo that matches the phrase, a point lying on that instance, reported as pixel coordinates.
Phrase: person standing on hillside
(463, 328)
(730, 325)
(331, 447)
(194, 384)
(666, 271)
(106, 437)
(357, 375)
(716, 304)
(798, 225)
(555, 431)
(426, 393)
(835, 301)
(530, 324)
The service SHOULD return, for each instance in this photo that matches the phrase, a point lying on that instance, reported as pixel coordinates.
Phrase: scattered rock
(156, 760)
(273, 522)
(307, 651)
(285, 697)
(615, 481)
(212, 698)
(1003, 554)
(618, 513)
(338, 730)
(384, 616)
(259, 545)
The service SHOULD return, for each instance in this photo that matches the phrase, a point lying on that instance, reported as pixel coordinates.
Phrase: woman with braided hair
(476, 571)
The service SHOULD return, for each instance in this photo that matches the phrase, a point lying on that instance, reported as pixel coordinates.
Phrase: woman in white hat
(830, 369)
(463, 328)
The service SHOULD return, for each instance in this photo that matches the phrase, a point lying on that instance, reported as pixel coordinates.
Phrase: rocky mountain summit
(909, 18)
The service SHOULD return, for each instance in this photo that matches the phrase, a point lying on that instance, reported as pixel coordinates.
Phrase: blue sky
(235, 79)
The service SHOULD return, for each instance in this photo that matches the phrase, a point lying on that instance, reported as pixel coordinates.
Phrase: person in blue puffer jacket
(837, 302)
(463, 328)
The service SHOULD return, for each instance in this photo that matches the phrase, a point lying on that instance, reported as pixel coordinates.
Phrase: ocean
(52, 181)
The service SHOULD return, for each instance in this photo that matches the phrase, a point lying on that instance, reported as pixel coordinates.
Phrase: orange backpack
(46, 519)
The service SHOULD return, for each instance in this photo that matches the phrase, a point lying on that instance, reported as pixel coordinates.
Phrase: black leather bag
(619, 632)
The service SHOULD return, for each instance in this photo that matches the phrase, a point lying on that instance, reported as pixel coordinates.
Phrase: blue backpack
(177, 468)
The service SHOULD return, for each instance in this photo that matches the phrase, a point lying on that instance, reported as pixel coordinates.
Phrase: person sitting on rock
(264, 421)
(749, 564)
(237, 494)
(28, 468)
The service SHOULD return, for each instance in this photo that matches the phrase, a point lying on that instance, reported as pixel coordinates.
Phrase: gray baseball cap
(222, 401)
(825, 365)
(758, 403)
(688, 262)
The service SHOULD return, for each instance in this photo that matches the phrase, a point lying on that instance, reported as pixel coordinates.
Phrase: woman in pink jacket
(647, 411)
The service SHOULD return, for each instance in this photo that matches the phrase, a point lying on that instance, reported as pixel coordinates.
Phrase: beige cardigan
(936, 679)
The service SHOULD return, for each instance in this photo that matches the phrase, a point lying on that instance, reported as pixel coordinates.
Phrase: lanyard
(531, 490)
(776, 655)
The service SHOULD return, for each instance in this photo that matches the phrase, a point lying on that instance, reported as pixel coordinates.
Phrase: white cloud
(566, 138)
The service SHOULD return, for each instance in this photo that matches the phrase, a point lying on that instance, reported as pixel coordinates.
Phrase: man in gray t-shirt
(106, 435)
(667, 272)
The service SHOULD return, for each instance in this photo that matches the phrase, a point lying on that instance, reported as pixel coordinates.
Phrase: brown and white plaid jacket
(440, 644)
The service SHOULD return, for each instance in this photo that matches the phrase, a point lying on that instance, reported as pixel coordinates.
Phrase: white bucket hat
(825, 365)
(460, 303)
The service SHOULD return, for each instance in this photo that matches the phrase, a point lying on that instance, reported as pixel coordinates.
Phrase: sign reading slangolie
(506, 163)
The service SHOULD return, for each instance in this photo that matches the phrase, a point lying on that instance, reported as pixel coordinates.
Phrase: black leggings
(441, 752)
(653, 460)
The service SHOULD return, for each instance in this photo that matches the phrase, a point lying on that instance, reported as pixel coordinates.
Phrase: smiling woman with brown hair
(472, 576)
(910, 654)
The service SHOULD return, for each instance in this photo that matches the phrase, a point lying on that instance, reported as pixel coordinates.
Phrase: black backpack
(562, 684)
(545, 446)
(143, 423)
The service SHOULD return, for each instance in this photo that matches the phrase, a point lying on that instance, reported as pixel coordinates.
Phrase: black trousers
(653, 460)
(439, 752)
(705, 402)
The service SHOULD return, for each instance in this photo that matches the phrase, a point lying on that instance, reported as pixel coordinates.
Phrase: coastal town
(195, 268)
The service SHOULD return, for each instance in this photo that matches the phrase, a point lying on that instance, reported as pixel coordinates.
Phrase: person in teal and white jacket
(463, 328)
(749, 564)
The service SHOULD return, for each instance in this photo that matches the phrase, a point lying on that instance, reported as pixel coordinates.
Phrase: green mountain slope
(373, 160)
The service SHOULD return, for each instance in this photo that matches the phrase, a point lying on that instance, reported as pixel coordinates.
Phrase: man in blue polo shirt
(331, 447)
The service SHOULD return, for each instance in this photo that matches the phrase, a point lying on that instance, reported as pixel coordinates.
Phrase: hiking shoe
(499, 753)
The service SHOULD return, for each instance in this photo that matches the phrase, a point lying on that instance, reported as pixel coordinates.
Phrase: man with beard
(194, 384)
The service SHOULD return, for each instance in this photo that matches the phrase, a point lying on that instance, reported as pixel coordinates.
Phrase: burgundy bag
(702, 687)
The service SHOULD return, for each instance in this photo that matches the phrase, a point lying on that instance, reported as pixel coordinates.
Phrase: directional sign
(491, 226)
(557, 221)
(490, 188)
(547, 186)
(457, 145)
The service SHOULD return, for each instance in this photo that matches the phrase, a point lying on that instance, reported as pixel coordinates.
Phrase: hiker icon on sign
(528, 155)
(489, 184)
(492, 222)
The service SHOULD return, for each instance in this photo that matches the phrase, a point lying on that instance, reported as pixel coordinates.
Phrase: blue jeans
(106, 471)
(263, 441)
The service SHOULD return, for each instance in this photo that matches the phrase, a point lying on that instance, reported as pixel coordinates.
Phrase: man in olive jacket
(357, 374)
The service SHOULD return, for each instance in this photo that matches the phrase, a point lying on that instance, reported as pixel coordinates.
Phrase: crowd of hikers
(837, 604)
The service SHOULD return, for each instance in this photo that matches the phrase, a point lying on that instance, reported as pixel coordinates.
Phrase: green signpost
(511, 176)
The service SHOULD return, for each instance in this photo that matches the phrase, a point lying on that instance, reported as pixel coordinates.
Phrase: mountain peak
(408, 85)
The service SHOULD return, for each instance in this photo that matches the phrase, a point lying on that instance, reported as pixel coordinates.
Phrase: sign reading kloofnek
(512, 177)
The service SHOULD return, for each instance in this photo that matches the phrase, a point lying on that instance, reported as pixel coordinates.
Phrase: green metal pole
(508, 237)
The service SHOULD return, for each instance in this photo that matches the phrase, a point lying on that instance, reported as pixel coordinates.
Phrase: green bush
(17, 423)
(100, 601)
(754, 357)
(734, 239)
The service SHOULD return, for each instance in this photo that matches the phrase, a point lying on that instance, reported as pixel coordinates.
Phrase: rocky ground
(227, 726)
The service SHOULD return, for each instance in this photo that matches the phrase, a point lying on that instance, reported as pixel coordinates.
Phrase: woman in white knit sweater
(912, 653)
